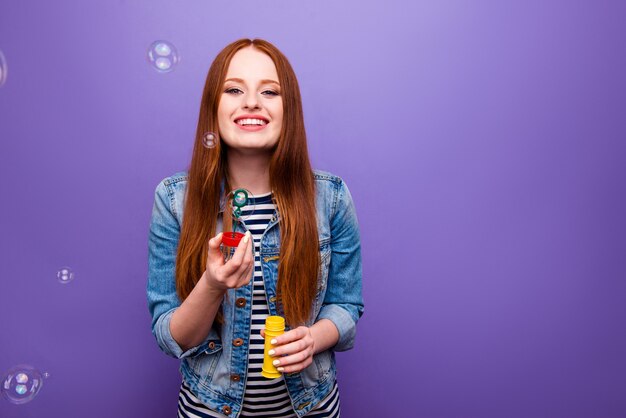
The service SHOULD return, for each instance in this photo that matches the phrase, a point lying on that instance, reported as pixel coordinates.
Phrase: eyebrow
(264, 81)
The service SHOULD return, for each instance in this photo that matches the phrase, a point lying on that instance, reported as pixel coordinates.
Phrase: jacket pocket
(203, 365)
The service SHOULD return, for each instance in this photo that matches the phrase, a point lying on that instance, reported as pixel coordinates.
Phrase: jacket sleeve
(343, 302)
(161, 288)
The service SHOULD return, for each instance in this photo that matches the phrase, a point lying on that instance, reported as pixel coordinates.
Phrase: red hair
(291, 181)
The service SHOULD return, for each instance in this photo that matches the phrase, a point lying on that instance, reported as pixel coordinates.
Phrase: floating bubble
(22, 383)
(163, 56)
(209, 140)
(65, 275)
(4, 69)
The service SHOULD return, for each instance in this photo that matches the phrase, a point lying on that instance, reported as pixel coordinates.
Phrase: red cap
(232, 239)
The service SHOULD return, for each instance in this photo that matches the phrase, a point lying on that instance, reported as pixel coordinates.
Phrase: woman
(300, 257)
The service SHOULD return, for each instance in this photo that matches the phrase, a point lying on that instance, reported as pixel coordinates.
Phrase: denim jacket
(216, 368)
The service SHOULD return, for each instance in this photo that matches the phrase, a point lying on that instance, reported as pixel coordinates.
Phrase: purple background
(483, 143)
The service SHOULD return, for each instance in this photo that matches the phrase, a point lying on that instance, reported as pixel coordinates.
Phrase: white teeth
(251, 122)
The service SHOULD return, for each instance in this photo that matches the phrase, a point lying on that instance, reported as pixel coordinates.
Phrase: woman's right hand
(234, 273)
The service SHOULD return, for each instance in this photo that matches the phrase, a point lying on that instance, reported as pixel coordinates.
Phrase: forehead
(251, 64)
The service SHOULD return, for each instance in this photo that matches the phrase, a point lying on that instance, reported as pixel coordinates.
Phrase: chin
(253, 150)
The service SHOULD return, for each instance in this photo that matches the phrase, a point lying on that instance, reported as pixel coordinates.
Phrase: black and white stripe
(263, 398)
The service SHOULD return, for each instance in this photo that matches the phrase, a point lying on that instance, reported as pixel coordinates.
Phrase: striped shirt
(263, 398)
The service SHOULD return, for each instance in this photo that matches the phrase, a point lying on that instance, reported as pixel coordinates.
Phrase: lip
(250, 128)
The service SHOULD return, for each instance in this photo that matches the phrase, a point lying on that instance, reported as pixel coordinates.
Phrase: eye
(232, 90)
(272, 92)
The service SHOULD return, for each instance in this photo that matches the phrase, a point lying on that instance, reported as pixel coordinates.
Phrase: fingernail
(276, 362)
(280, 369)
(271, 352)
(246, 238)
(274, 341)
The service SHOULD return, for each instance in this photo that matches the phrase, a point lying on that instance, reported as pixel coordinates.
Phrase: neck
(249, 171)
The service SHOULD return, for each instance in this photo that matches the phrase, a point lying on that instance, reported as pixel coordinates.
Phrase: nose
(250, 101)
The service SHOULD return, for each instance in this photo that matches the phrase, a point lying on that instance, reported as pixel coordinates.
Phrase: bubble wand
(238, 199)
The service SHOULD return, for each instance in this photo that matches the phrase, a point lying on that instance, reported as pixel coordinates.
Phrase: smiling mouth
(251, 122)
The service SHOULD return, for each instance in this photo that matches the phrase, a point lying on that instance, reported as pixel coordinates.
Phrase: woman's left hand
(297, 346)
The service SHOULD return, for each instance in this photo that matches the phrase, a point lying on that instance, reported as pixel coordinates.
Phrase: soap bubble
(65, 275)
(4, 69)
(240, 203)
(209, 140)
(163, 56)
(22, 383)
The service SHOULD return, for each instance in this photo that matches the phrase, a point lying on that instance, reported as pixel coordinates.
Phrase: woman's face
(250, 111)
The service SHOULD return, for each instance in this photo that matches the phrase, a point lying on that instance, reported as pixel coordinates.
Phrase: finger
(236, 260)
(249, 259)
(214, 253)
(247, 268)
(297, 361)
(291, 335)
(248, 256)
(243, 247)
(298, 367)
(214, 243)
(263, 332)
(293, 348)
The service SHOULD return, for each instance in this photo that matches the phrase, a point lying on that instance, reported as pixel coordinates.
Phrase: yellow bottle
(274, 326)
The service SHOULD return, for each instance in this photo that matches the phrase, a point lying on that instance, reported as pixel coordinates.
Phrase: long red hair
(291, 180)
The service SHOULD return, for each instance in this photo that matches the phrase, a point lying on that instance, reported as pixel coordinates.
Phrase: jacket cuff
(344, 323)
(169, 345)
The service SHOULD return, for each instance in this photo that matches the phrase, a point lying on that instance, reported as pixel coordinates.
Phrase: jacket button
(212, 345)
(241, 302)
(226, 410)
(235, 377)
(273, 299)
(237, 342)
